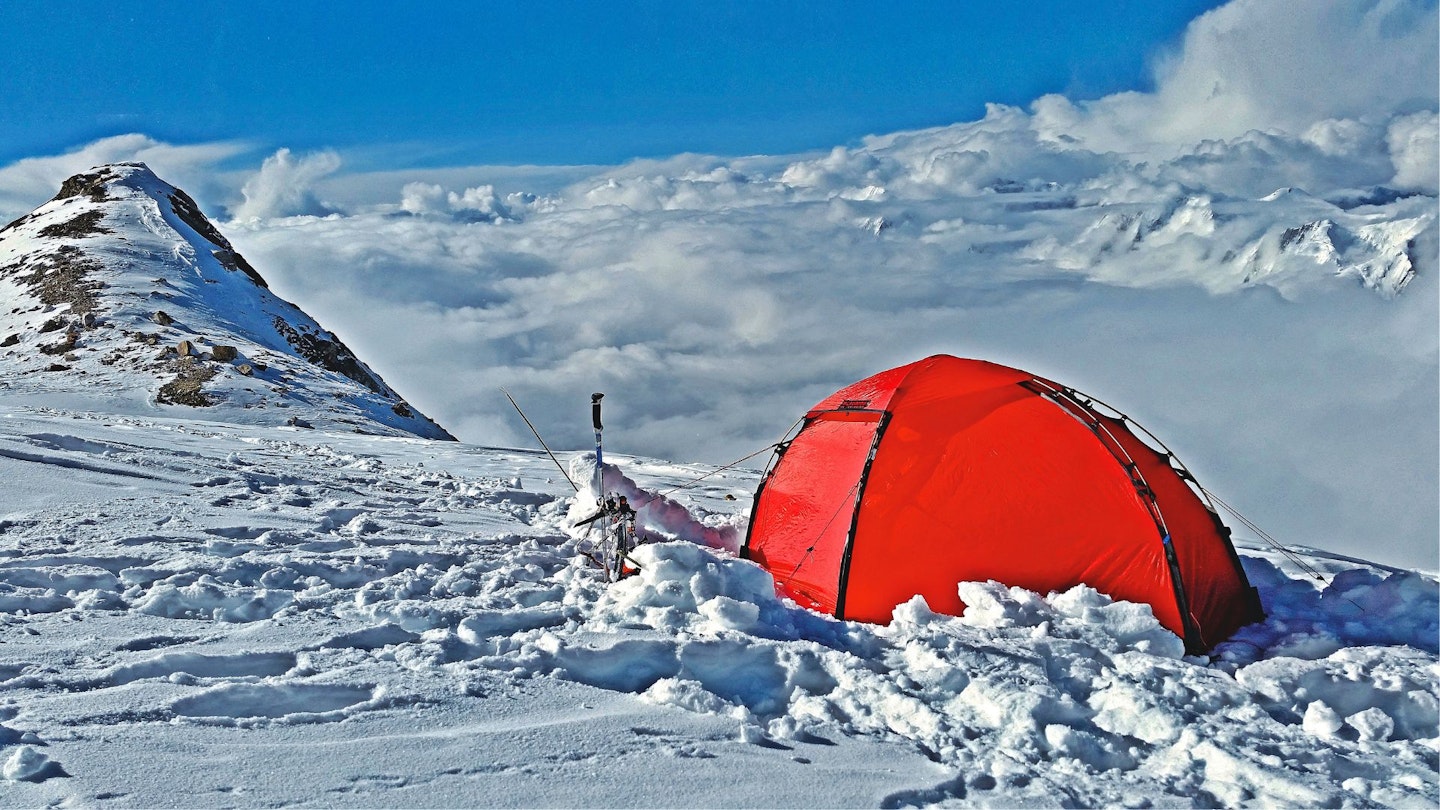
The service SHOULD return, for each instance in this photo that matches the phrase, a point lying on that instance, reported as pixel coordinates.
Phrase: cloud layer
(1243, 260)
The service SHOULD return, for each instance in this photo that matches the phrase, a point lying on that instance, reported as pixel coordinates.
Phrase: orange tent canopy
(950, 470)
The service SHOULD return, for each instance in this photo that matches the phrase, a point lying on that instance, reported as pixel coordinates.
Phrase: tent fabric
(949, 470)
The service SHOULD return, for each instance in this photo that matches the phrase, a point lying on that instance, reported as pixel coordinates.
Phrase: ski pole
(599, 457)
(558, 465)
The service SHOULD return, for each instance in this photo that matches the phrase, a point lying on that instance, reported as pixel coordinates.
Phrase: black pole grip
(595, 409)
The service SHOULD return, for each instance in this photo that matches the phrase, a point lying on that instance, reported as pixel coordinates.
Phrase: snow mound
(1092, 688)
(1357, 607)
(27, 765)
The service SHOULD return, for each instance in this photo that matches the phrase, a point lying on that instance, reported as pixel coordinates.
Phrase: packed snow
(198, 613)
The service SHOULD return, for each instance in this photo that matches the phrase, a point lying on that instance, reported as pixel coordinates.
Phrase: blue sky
(561, 82)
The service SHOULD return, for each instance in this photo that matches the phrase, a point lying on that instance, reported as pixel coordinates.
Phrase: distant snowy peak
(120, 289)
(1287, 240)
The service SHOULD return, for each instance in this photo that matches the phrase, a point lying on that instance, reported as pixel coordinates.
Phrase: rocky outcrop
(328, 352)
(62, 276)
(132, 286)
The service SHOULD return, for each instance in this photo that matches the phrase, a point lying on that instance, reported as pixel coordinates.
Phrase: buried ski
(631, 567)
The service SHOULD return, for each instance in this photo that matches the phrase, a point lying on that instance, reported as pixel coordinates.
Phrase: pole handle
(595, 409)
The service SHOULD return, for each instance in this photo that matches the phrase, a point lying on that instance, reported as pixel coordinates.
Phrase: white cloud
(715, 311)
(27, 183)
(1267, 65)
(1414, 142)
(474, 204)
(284, 186)
(422, 198)
(1257, 163)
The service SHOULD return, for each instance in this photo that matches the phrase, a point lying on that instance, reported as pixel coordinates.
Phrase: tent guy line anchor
(1275, 544)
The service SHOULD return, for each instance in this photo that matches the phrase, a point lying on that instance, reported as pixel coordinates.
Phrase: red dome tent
(949, 470)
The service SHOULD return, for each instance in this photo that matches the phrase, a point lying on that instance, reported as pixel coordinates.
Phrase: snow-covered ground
(205, 614)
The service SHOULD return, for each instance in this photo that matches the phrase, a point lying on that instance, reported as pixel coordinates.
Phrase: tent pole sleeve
(1194, 642)
(844, 584)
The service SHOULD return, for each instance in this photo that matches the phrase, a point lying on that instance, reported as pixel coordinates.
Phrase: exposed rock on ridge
(121, 263)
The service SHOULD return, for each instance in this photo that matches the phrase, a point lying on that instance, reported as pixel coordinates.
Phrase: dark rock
(87, 185)
(232, 261)
(162, 317)
(401, 409)
(224, 354)
(190, 213)
(330, 353)
(53, 325)
(185, 389)
(62, 277)
(296, 421)
(83, 225)
(185, 348)
(1308, 231)
(10, 341)
(63, 346)
(57, 367)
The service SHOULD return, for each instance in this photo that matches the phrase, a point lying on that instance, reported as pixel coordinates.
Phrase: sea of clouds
(1244, 260)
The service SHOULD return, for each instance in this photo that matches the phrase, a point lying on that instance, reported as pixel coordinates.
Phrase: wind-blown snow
(358, 620)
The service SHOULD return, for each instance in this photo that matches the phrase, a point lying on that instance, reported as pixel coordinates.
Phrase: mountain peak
(97, 185)
(121, 288)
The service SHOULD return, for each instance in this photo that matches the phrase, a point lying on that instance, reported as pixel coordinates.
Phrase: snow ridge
(121, 290)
